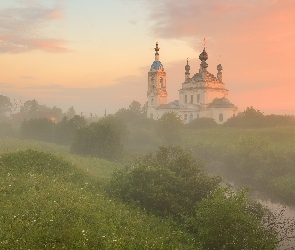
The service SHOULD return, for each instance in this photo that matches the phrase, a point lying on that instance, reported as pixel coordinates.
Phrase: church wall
(225, 112)
(211, 95)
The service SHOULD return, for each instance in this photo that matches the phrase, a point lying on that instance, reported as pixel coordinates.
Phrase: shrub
(47, 203)
(168, 128)
(40, 129)
(102, 139)
(202, 123)
(169, 182)
(229, 220)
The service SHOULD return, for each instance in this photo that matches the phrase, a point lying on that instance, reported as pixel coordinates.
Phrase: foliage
(40, 129)
(71, 113)
(102, 139)
(201, 123)
(134, 115)
(7, 130)
(169, 182)
(65, 130)
(252, 118)
(253, 160)
(5, 106)
(229, 220)
(30, 108)
(47, 203)
(168, 128)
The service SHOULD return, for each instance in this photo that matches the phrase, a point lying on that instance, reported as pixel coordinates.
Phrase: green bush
(201, 123)
(7, 130)
(230, 220)
(102, 139)
(169, 182)
(168, 128)
(40, 129)
(46, 203)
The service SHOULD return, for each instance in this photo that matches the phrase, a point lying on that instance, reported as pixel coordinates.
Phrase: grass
(48, 202)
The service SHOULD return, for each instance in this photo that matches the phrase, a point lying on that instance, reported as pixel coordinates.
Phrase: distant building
(202, 95)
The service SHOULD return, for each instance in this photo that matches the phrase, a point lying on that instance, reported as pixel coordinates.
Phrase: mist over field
(108, 141)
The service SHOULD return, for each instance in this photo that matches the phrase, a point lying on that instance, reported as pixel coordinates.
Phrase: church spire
(157, 65)
(187, 69)
(204, 57)
(157, 52)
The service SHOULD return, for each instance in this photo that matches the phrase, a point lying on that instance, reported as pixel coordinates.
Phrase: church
(202, 95)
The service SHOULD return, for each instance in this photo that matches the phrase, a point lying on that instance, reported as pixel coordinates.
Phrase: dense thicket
(256, 119)
(102, 139)
(202, 123)
(172, 183)
(168, 128)
(47, 203)
(41, 129)
(230, 220)
(169, 182)
(7, 130)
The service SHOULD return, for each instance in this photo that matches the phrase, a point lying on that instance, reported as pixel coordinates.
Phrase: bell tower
(156, 93)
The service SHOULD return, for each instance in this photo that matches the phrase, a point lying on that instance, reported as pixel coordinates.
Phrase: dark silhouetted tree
(102, 139)
(169, 182)
(5, 106)
(168, 128)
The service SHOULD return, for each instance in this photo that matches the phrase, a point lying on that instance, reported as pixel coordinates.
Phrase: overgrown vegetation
(102, 139)
(250, 149)
(47, 203)
(169, 182)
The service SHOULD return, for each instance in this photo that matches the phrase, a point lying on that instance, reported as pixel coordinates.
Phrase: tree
(40, 129)
(57, 112)
(71, 112)
(135, 107)
(5, 106)
(169, 182)
(102, 139)
(30, 108)
(202, 123)
(134, 114)
(66, 129)
(230, 220)
(168, 128)
(144, 109)
(250, 117)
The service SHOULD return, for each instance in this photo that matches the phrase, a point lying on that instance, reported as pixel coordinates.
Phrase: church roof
(204, 76)
(156, 65)
(221, 103)
(171, 105)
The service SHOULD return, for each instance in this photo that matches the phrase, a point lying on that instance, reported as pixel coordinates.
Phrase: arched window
(191, 117)
(220, 117)
(161, 82)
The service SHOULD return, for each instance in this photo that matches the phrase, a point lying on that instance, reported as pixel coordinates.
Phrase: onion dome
(203, 56)
(219, 67)
(187, 67)
(157, 65)
(204, 65)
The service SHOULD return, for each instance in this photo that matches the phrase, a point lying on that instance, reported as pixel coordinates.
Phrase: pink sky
(96, 55)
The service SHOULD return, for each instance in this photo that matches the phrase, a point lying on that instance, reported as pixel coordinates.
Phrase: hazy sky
(95, 54)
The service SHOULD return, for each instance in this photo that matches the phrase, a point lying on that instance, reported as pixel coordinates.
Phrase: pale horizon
(96, 55)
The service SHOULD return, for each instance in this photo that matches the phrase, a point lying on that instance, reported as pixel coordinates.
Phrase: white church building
(202, 95)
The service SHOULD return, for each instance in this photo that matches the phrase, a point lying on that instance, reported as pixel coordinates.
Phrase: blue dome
(156, 65)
